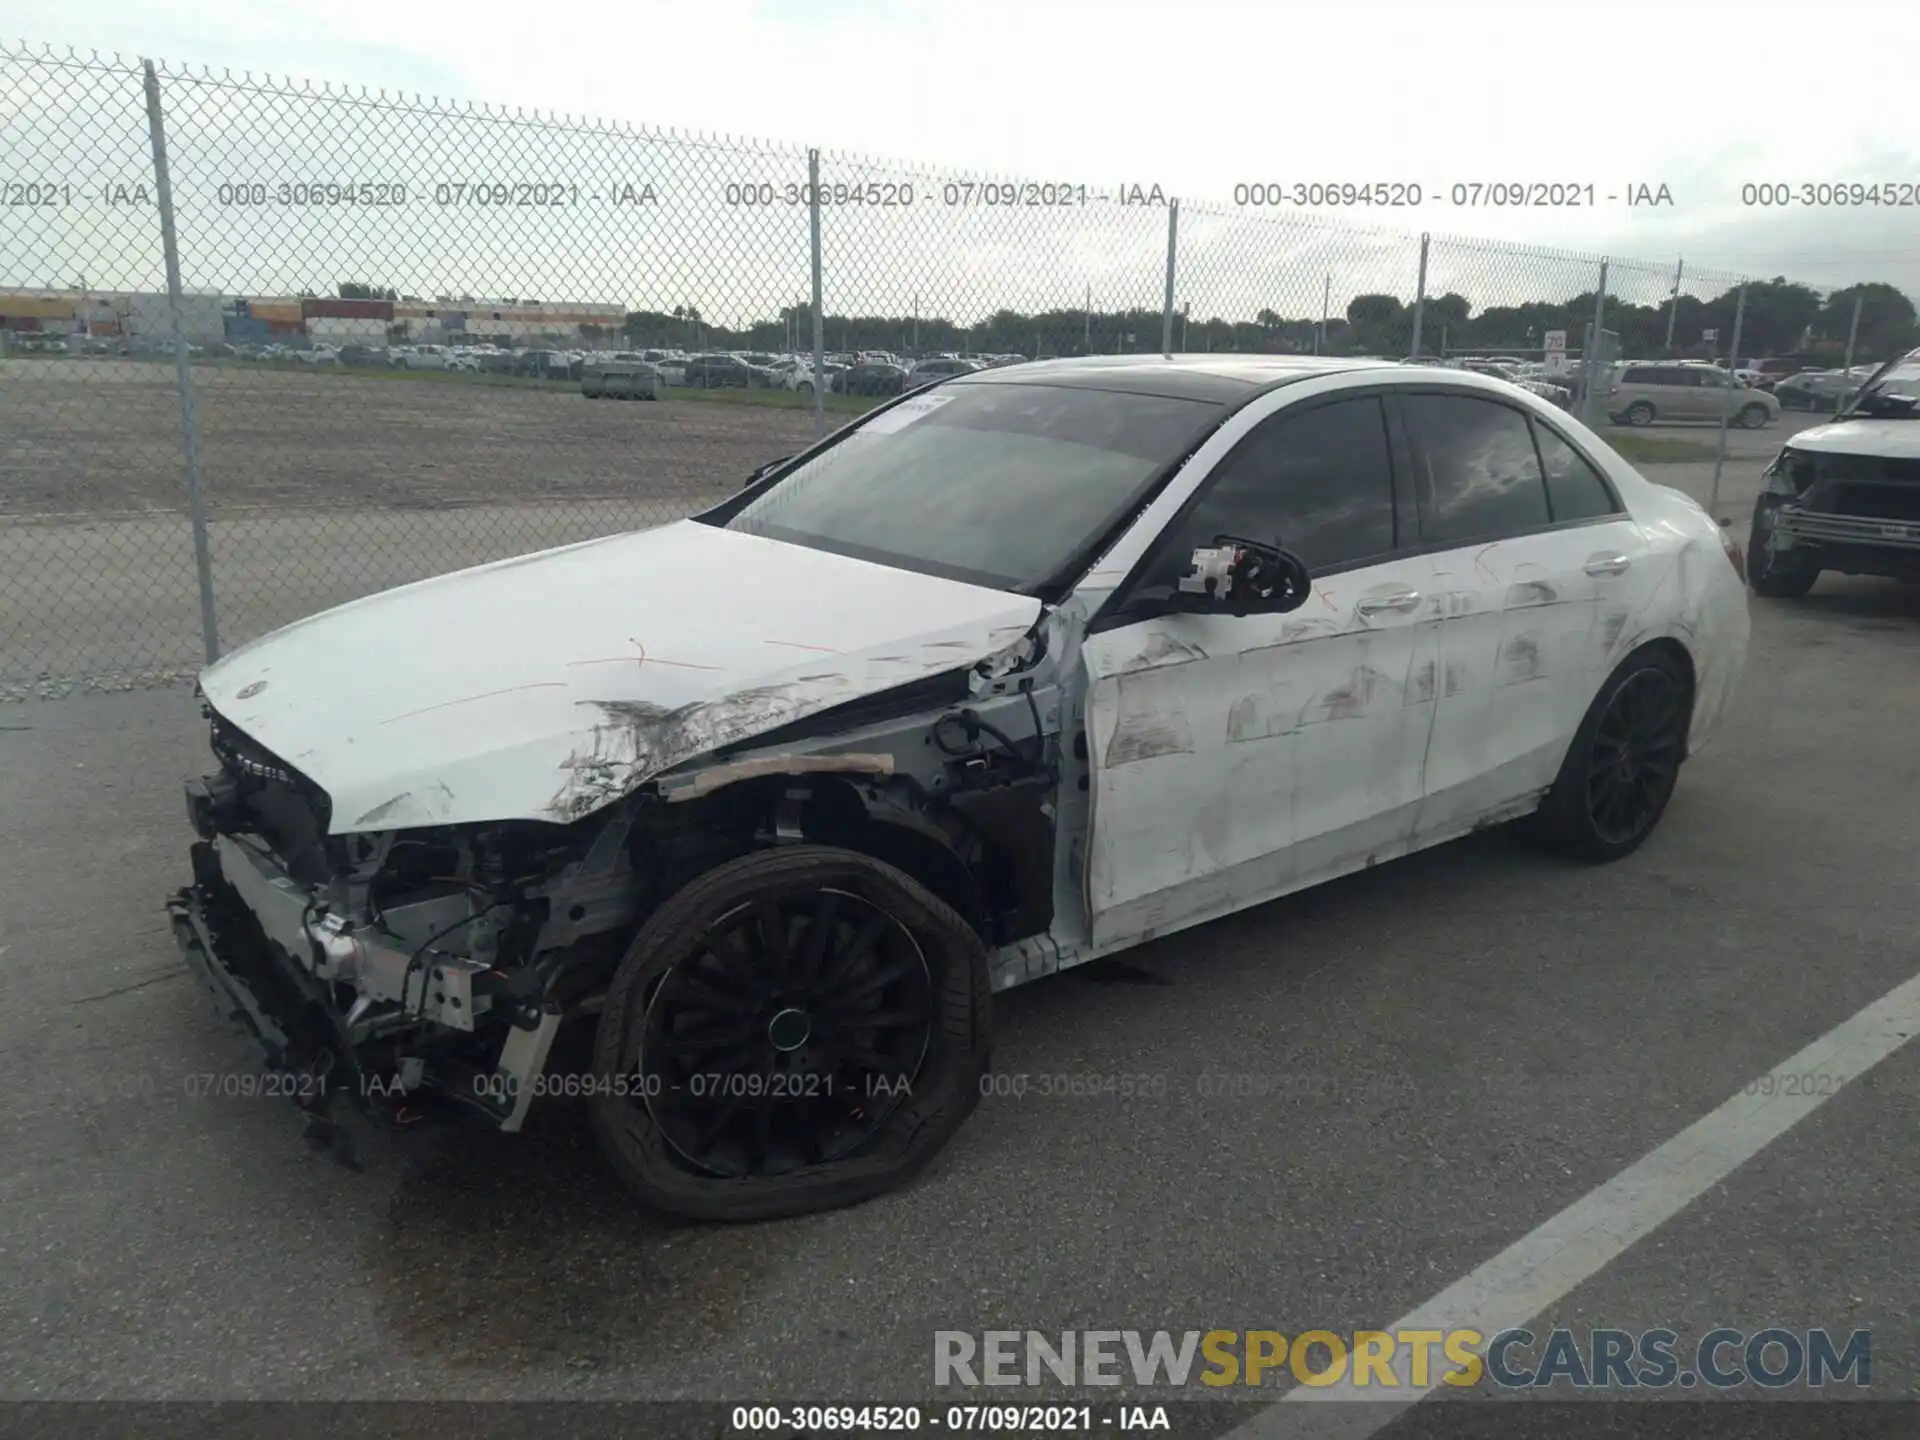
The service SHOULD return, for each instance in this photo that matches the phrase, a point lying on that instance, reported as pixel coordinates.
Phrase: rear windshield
(1009, 486)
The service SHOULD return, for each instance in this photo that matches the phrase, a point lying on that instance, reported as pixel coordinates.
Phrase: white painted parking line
(1528, 1276)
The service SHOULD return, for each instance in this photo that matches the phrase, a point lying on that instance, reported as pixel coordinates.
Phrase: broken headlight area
(385, 967)
(1792, 473)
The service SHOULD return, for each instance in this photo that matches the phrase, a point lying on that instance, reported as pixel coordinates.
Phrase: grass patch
(1659, 449)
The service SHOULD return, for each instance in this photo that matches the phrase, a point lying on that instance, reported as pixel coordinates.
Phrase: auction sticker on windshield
(904, 414)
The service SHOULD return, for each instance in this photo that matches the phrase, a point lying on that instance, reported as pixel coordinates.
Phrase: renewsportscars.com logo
(1370, 1361)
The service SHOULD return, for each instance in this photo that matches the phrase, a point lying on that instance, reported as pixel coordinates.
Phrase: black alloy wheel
(1635, 756)
(798, 1029)
(785, 1039)
(1619, 772)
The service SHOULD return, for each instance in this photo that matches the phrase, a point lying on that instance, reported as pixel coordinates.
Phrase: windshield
(1894, 395)
(1008, 486)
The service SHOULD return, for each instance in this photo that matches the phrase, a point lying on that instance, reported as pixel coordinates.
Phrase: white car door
(1535, 581)
(1235, 758)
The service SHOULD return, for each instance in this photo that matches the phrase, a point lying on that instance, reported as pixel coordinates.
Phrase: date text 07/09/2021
(1007, 1419)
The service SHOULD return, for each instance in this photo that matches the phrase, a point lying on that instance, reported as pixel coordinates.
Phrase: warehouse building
(503, 322)
(129, 315)
(139, 316)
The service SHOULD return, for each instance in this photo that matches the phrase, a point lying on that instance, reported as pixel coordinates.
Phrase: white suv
(420, 357)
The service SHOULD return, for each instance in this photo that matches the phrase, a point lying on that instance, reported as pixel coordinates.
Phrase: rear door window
(1482, 472)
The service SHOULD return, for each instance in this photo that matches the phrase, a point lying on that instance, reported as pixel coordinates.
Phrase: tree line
(1780, 318)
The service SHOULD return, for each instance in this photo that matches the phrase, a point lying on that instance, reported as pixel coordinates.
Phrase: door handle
(1615, 564)
(1398, 600)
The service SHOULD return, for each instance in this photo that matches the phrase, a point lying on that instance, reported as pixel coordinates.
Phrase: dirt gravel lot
(101, 438)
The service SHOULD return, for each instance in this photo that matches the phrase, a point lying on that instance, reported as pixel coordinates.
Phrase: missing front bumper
(294, 1018)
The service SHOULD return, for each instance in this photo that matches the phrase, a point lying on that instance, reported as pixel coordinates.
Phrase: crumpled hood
(547, 686)
(1885, 439)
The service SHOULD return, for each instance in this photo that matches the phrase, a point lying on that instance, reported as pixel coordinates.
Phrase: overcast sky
(1195, 97)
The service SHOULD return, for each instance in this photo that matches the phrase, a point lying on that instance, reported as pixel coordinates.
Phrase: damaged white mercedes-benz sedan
(1012, 673)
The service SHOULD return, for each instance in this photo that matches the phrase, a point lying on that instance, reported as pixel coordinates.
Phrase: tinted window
(1319, 482)
(1010, 486)
(1575, 490)
(1639, 377)
(1483, 473)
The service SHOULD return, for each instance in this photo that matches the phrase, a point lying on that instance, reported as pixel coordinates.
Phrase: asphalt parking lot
(1447, 1051)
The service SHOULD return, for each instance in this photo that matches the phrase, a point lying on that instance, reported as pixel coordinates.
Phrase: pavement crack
(171, 974)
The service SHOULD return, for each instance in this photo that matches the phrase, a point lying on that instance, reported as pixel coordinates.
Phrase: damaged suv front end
(1845, 496)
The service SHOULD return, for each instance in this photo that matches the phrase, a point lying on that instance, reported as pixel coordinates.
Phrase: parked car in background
(800, 380)
(1845, 495)
(419, 357)
(318, 355)
(719, 372)
(928, 371)
(619, 380)
(549, 364)
(1642, 393)
(869, 377)
(1821, 389)
(965, 762)
(362, 357)
(1560, 395)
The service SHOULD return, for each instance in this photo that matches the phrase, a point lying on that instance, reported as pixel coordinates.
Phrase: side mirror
(1238, 577)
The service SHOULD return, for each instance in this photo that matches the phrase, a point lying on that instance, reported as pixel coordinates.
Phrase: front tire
(1753, 417)
(1620, 771)
(1785, 575)
(796, 1030)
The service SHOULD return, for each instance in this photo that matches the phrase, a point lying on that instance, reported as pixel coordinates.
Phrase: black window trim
(1423, 490)
(1112, 612)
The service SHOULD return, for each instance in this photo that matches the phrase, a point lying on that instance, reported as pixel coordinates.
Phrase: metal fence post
(1420, 297)
(1853, 334)
(1673, 300)
(1326, 302)
(182, 368)
(819, 316)
(1592, 376)
(1733, 359)
(1173, 250)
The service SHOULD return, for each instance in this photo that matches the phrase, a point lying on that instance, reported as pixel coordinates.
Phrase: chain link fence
(266, 347)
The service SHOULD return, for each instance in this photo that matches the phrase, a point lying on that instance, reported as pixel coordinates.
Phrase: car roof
(1225, 379)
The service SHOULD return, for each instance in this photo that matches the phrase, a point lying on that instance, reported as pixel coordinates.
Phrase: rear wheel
(797, 1030)
(1640, 413)
(1620, 771)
